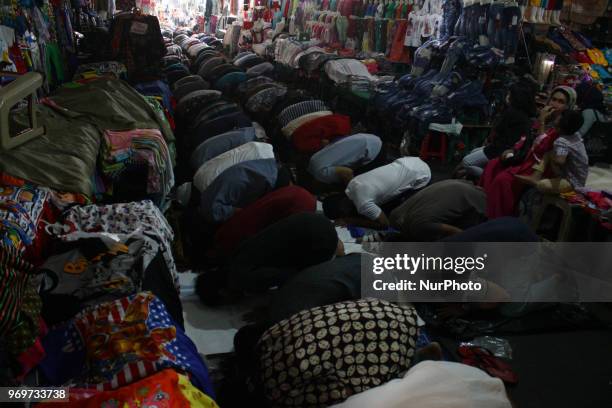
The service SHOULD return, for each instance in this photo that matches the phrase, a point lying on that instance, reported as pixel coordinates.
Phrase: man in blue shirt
(239, 186)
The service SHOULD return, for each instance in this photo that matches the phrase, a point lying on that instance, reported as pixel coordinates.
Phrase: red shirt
(272, 207)
(307, 138)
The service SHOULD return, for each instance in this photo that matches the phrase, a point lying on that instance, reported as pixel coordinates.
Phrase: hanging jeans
(510, 33)
(453, 55)
(483, 15)
(471, 24)
(459, 29)
(452, 10)
(494, 26)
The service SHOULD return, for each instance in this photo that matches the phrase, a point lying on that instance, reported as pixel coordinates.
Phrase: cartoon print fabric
(21, 209)
(116, 343)
(141, 217)
(164, 389)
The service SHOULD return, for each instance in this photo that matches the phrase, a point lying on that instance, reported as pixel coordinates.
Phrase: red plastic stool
(428, 151)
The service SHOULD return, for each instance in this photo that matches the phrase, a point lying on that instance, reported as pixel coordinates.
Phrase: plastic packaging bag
(496, 345)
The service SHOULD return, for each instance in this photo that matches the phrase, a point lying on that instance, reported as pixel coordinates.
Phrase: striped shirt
(297, 110)
(217, 145)
(209, 171)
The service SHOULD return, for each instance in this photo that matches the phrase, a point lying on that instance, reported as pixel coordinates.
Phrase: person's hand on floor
(340, 222)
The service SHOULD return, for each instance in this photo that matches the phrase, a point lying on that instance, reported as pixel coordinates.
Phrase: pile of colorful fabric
(596, 202)
(22, 211)
(596, 62)
(123, 151)
(89, 292)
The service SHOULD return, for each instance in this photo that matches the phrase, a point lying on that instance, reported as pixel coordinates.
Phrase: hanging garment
(399, 53)
(137, 41)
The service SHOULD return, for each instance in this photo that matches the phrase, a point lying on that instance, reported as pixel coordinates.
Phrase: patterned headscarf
(322, 356)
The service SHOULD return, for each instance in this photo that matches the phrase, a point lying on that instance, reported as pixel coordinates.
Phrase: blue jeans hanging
(494, 25)
(510, 32)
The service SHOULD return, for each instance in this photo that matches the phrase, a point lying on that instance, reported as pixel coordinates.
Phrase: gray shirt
(352, 151)
(589, 117)
(576, 168)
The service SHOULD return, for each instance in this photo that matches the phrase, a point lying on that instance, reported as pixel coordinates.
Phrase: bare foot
(345, 174)
(432, 352)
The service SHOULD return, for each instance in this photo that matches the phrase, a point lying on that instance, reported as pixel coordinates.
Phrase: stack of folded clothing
(121, 152)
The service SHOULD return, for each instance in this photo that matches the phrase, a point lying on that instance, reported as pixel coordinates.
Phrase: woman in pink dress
(502, 187)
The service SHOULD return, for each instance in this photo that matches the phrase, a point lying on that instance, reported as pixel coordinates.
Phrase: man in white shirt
(208, 171)
(367, 192)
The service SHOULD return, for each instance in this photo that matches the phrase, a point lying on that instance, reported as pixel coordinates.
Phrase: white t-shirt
(381, 185)
(208, 172)
(435, 384)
